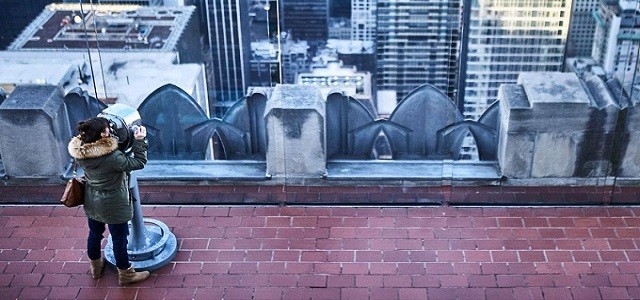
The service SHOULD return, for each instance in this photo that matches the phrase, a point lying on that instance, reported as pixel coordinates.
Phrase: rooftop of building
(70, 27)
(128, 77)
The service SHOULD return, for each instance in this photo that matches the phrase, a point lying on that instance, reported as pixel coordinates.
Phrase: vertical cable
(86, 39)
(279, 40)
(267, 8)
(619, 128)
(95, 30)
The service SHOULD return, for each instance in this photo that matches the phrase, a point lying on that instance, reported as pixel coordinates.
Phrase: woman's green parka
(106, 169)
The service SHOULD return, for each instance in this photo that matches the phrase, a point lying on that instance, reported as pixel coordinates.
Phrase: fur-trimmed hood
(98, 148)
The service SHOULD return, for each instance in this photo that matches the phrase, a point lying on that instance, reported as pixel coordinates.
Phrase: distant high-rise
(582, 28)
(306, 19)
(417, 43)
(509, 37)
(228, 52)
(617, 37)
(363, 20)
(70, 27)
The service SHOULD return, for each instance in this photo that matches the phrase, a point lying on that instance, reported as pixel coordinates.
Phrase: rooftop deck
(310, 252)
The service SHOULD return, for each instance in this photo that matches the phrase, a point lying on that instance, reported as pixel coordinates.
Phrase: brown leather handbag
(74, 191)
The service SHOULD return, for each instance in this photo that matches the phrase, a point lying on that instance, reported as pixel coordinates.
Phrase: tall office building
(582, 28)
(306, 20)
(227, 51)
(363, 20)
(506, 38)
(617, 37)
(417, 43)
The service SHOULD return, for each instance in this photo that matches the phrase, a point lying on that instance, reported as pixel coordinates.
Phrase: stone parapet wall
(352, 194)
(553, 125)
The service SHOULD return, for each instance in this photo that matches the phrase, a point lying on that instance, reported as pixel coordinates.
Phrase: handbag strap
(75, 168)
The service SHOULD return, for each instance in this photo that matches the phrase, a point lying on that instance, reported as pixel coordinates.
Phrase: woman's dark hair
(91, 129)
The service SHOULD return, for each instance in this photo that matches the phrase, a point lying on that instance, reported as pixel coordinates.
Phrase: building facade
(227, 51)
(417, 43)
(363, 20)
(306, 19)
(582, 28)
(617, 37)
(506, 38)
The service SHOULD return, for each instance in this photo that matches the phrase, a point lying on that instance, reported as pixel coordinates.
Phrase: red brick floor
(306, 252)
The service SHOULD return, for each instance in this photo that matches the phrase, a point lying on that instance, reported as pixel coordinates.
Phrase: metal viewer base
(159, 247)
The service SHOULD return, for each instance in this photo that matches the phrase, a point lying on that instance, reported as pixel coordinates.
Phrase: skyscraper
(506, 37)
(228, 50)
(417, 43)
(363, 20)
(617, 37)
(306, 19)
(582, 28)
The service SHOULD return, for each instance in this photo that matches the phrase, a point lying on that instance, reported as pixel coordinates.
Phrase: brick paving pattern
(307, 252)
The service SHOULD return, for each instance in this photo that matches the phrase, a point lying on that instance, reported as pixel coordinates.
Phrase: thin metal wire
(279, 40)
(95, 30)
(622, 111)
(614, 157)
(267, 8)
(86, 39)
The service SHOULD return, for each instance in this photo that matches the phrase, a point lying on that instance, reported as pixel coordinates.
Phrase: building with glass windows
(617, 38)
(363, 20)
(227, 51)
(306, 19)
(582, 28)
(506, 38)
(417, 42)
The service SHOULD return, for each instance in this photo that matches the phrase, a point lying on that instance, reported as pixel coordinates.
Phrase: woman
(107, 200)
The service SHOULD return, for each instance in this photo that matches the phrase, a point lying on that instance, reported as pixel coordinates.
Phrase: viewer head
(93, 129)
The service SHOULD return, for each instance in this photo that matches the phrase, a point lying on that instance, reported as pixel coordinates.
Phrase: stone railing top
(290, 96)
(553, 87)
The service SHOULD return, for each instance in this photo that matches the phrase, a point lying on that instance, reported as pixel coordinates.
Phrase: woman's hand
(140, 133)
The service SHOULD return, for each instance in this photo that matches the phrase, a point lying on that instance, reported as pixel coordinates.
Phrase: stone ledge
(372, 194)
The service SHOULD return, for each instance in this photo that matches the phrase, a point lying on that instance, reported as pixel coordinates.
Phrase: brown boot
(130, 276)
(97, 265)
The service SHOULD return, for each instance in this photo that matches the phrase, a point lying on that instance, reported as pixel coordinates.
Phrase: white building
(126, 78)
(117, 53)
(617, 38)
(331, 76)
(363, 20)
(265, 66)
(507, 37)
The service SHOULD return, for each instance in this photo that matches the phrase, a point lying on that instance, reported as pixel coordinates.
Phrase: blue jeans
(119, 233)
